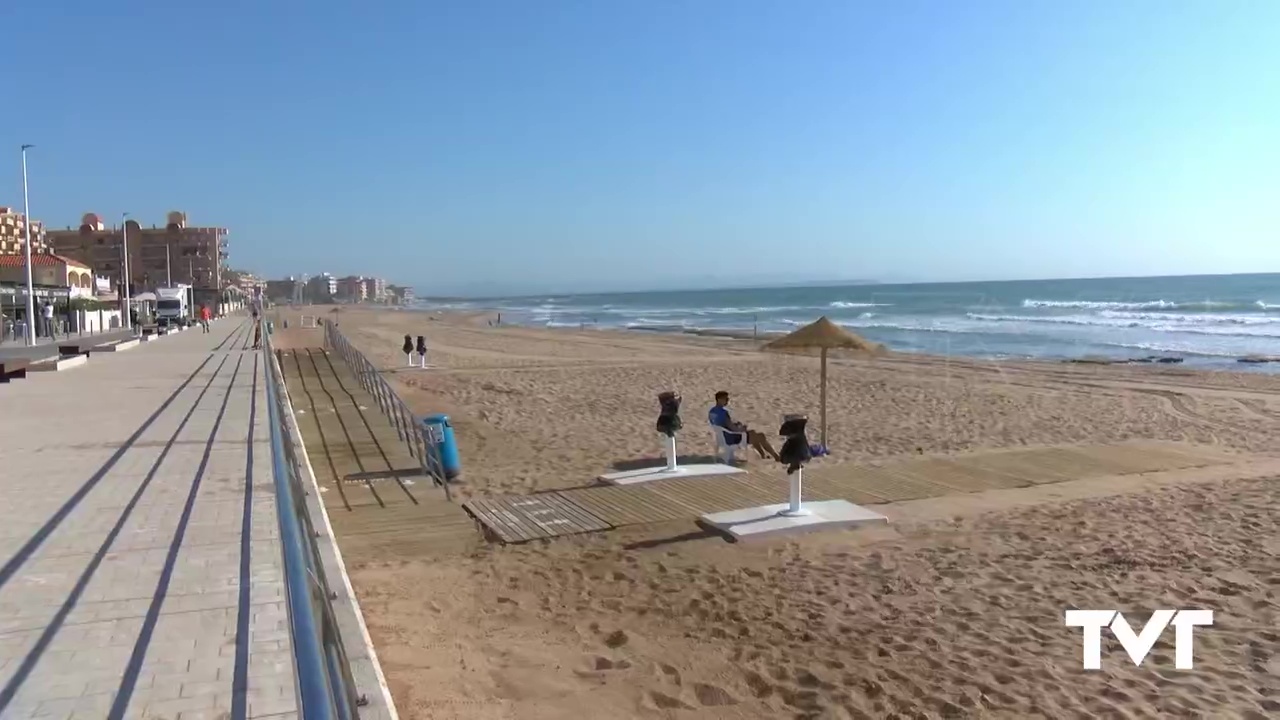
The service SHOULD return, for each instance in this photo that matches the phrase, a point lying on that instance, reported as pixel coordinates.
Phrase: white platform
(117, 347)
(767, 521)
(644, 475)
(56, 364)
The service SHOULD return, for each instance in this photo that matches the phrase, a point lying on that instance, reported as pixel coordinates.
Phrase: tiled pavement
(138, 577)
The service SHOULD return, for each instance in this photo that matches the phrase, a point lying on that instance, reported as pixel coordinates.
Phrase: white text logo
(1139, 645)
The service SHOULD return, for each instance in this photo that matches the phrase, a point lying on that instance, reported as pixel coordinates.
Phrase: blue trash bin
(439, 434)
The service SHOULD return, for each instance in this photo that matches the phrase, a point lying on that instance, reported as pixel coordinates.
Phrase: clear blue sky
(480, 145)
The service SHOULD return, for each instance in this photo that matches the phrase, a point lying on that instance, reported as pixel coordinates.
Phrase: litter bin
(439, 434)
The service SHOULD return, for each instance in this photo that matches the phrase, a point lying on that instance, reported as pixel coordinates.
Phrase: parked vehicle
(175, 306)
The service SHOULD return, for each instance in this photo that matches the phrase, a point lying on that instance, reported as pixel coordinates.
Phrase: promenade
(140, 565)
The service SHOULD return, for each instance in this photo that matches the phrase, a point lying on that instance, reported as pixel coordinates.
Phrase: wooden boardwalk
(521, 518)
(379, 501)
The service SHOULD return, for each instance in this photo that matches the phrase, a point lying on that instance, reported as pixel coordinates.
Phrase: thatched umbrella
(824, 335)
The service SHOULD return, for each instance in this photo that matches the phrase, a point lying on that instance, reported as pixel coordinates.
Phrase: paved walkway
(140, 571)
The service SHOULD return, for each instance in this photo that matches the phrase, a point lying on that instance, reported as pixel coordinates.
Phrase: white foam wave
(842, 305)
(1099, 304)
(1208, 324)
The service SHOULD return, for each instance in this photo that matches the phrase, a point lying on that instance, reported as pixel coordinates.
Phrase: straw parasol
(824, 335)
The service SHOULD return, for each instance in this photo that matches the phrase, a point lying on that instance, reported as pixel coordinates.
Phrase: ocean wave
(842, 305)
(1099, 304)
(1105, 305)
(1220, 325)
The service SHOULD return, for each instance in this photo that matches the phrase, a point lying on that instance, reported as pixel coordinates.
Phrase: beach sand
(954, 610)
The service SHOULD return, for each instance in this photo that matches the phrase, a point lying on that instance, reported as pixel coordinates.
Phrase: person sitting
(719, 416)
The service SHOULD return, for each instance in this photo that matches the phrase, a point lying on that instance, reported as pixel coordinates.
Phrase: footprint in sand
(601, 663)
(758, 684)
(713, 695)
(669, 673)
(655, 700)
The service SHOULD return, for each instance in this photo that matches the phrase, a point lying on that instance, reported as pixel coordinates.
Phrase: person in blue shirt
(719, 416)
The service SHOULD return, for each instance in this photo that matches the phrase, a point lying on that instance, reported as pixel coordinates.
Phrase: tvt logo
(1138, 645)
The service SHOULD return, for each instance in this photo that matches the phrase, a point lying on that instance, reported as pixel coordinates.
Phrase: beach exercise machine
(422, 351)
(668, 425)
(409, 347)
(791, 517)
(795, 453)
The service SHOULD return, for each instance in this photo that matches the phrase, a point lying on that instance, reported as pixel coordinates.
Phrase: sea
(1208, 320)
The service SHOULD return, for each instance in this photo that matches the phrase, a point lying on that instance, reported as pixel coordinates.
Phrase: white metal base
(662, 472)
(769, 521)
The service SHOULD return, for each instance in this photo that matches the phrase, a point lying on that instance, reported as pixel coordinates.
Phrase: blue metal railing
(324, 685)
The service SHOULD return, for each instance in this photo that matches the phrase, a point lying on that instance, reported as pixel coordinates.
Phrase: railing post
(393, 411)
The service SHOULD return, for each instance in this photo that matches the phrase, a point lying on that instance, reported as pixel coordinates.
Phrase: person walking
(205, 317)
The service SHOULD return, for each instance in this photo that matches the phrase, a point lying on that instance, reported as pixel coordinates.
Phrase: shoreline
(1200, 362)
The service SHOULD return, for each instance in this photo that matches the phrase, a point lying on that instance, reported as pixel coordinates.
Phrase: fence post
(390, 409)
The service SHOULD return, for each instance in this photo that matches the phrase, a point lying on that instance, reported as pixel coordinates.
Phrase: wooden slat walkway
(521, 518)
(378, 500)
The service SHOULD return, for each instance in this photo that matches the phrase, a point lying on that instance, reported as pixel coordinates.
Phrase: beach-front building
(54, 279)
(399, 295)
(246, 281)
(352, 289)
(286, 290)
(177, 253)
(375, 289)
(13, 233)
(322, 288)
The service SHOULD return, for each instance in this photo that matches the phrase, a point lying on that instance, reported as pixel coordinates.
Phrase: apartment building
(322, 288)
(352, 289)
(13, 233)
(400, 295)
(375, 290)
(158, 256)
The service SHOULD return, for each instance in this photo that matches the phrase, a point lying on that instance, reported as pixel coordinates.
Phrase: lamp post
(31, 295)
(126, 321)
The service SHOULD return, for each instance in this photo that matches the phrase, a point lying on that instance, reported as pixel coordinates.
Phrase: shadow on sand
(656, 462)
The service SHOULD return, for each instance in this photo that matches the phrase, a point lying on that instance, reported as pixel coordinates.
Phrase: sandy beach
(954, 610)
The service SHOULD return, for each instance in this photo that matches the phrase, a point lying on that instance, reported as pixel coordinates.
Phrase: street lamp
(31, 296)
(126, 321)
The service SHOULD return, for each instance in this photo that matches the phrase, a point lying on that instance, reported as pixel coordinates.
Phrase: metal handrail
(408, 429)
(325, 688)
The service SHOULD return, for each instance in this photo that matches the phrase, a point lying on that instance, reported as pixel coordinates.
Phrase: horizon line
(830, 283)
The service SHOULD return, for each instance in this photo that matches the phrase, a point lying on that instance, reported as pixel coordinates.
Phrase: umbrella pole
(822, 401)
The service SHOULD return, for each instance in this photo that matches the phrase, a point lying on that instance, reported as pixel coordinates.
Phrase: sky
(484, 147)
